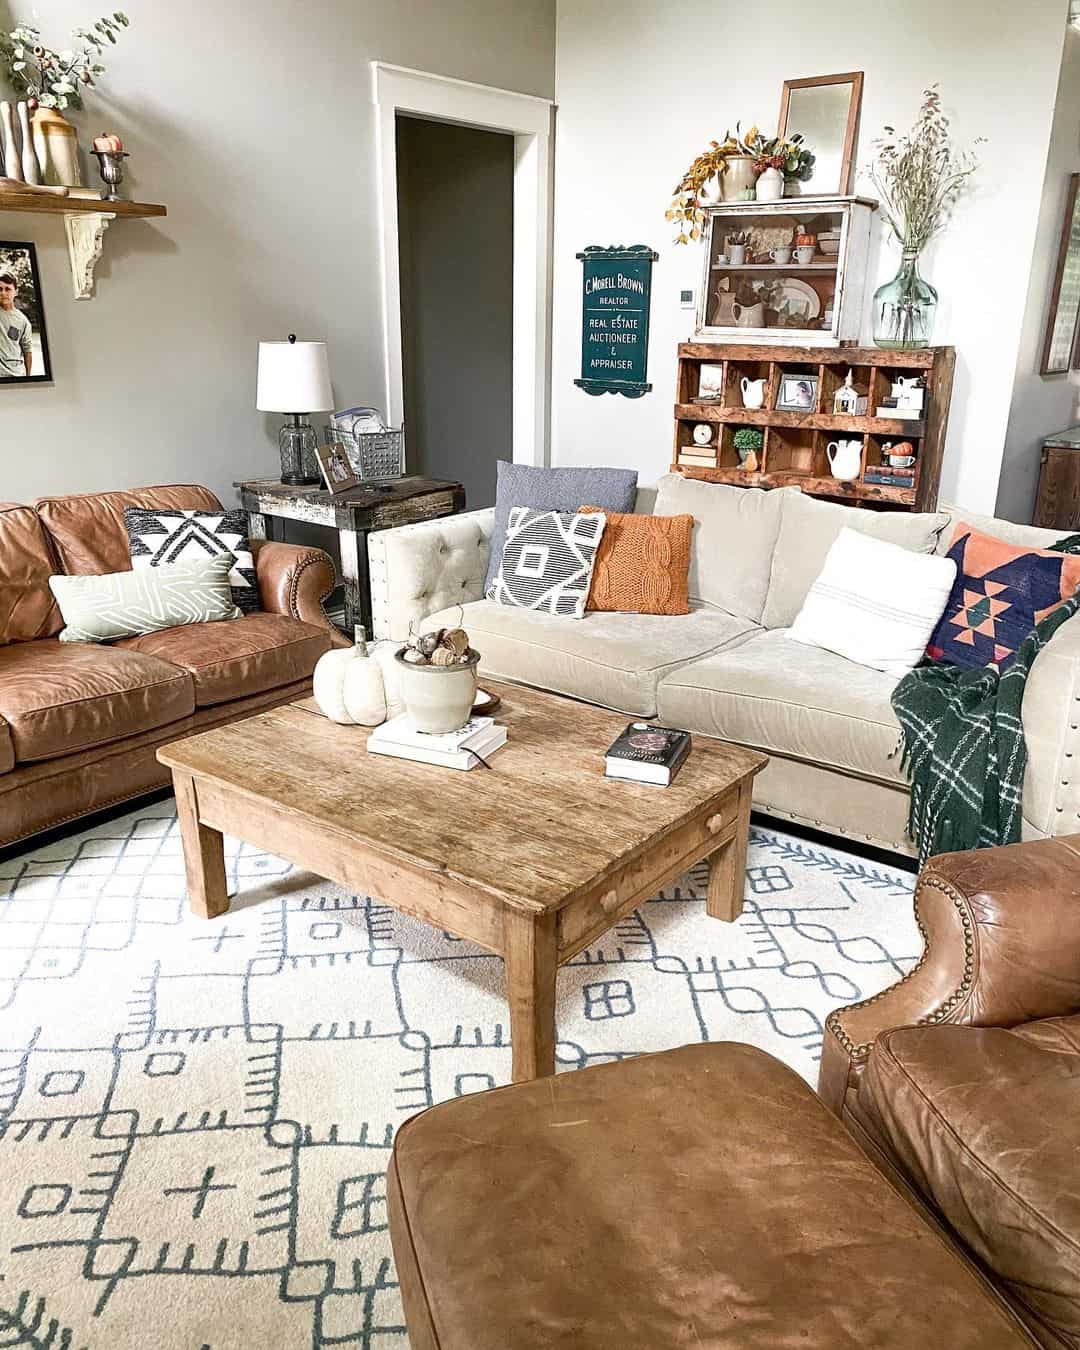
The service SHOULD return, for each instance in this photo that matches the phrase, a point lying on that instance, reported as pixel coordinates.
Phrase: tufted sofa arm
(416, 570)
(1001, 934)
(295, 581)
(1051, 717)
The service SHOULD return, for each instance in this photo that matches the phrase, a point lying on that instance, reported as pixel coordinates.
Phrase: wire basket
(372, 454)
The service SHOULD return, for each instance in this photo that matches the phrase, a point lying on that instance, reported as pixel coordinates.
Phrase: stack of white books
(476, 740)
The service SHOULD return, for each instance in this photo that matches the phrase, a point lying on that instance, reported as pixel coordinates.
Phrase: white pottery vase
(738, 176)
(9, 147)
(348, 686)
(30, 168)
(439, 698)
(57, 144)
(770, 185)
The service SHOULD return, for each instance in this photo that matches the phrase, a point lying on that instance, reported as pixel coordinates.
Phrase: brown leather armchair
(80, 723)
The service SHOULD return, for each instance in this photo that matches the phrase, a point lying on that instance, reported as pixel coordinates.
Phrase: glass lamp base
(296, 442)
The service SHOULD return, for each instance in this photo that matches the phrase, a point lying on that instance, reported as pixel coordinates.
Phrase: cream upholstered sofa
(729, 668)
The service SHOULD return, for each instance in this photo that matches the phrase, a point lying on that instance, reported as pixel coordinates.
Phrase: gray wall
(1042, 404)
(455, 229)
(253, 121)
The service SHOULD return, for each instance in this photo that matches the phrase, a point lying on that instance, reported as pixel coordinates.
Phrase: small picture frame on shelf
(710, 381)
(24, 346)
(797, 393)
(336, 470)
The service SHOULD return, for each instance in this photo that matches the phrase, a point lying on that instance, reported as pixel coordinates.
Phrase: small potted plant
(748, 443)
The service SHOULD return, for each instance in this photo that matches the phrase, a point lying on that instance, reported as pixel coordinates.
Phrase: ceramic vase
(738, 176)
(8, 144)
(57, 144)
(31, 171)
(770, 186)
(439, 698)
(904, 308)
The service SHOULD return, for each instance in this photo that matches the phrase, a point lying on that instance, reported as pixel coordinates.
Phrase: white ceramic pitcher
(753, 392)
(845, 459)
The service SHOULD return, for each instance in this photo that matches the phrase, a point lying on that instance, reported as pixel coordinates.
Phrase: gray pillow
(562, 490)
(125, 604)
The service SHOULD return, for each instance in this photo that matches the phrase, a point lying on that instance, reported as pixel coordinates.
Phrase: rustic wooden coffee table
(533, 858)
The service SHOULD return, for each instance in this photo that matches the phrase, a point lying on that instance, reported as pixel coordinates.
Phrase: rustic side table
(1057, 506)
(354, 514)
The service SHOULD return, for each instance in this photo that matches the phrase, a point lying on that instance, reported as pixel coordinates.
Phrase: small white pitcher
(753, 392)
(845, 459)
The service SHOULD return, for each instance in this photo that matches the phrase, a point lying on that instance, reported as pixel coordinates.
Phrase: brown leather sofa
(80, 722)
(706, 1197)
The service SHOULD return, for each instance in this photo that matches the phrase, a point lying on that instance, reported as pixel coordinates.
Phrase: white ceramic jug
(845, 459)
(753, 392)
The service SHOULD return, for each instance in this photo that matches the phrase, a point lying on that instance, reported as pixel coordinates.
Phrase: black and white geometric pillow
(184, 536)
(547, 561)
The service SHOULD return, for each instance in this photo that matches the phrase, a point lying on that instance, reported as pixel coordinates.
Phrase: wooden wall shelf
(794, 452)
(85, 222)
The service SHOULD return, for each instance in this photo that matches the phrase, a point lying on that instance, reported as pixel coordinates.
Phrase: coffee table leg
(530, 955)
(727, 867)
(204, 853)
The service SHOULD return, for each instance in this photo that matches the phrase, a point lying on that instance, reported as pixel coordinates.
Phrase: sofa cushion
(243, 656)
(703, 1197)
(88, 531)
(27, 607)
(789, 699)
(1025, 536)
(614, 660)
(58, 698)
(986, 1123)
(733, 540)
(7, 748)
(642, 564)
(808, 527)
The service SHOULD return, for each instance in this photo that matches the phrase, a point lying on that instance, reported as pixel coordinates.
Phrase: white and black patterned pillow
(547, 561)
(185, 536)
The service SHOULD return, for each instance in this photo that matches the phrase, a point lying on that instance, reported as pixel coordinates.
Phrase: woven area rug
(195, 1116)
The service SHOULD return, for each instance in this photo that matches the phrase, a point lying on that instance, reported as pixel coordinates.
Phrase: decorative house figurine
(847, 401)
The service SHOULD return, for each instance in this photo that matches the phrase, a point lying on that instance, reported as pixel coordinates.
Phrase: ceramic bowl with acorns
(437, 679)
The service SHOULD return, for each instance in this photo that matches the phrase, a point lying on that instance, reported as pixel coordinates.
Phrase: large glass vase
(904, 308)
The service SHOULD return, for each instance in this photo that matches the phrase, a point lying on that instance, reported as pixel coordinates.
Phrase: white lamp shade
(294, 377)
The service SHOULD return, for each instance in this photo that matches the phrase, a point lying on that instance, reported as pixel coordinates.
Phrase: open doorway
(455, 218)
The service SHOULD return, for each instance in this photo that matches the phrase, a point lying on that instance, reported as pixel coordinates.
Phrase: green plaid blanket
(963, 743)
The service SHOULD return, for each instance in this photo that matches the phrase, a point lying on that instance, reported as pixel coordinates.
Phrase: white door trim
(528, 119)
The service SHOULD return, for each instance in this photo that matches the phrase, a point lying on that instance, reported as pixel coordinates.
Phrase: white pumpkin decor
(348, 685)
(384, 653)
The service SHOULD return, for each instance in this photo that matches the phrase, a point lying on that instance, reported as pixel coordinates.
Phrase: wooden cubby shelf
(795, 443)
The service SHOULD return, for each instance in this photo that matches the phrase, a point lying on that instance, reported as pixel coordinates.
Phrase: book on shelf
(883, 479)
(706, 460)
(646, 753)
(463, 749)
(897, 414)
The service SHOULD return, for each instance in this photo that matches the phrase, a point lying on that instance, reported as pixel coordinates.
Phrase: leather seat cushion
(88, 531)
(27, 607)
(986, 1123)
(7, 748)
(237, 657)
(615, 660)
(793, 700)
(699, 1197)
(59, 697)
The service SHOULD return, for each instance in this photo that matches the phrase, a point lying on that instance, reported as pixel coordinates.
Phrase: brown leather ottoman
(703, 1197)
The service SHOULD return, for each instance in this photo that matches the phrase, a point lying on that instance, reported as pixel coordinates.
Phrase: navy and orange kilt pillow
(1000, 593)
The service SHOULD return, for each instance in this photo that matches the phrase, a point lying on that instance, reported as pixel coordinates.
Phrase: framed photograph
(797, 393)
(710, 381)
(1059, 348)
(24, 347)
(336, 470)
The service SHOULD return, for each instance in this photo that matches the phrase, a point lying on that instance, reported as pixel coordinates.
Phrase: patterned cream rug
(195, 1116)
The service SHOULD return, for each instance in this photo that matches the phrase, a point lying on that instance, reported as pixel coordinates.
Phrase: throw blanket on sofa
(963, 744)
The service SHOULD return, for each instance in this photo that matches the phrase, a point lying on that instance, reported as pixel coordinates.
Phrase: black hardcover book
(646, 753)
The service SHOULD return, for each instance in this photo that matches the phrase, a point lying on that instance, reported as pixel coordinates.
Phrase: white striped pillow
(547, 561)
(875, 602)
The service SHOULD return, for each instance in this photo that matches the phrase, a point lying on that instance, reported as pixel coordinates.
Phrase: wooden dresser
(1057, 506)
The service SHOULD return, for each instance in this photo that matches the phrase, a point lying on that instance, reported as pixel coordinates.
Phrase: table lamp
(294, 378)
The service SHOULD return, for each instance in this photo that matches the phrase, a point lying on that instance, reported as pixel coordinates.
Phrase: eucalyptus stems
(919, 176)
(56, 79)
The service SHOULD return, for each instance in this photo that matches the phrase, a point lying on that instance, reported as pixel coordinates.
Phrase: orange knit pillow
(642, 564)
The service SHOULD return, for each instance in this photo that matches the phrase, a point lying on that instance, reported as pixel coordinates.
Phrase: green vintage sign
(616, 291)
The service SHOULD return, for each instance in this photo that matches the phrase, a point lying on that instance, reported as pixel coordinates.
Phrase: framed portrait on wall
(24, 346)
(1059, 348)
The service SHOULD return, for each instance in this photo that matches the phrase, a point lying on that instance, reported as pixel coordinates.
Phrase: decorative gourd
(109, 142)
(348, 686)
(384, 653)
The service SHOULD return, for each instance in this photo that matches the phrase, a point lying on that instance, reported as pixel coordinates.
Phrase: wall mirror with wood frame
(825, 109)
